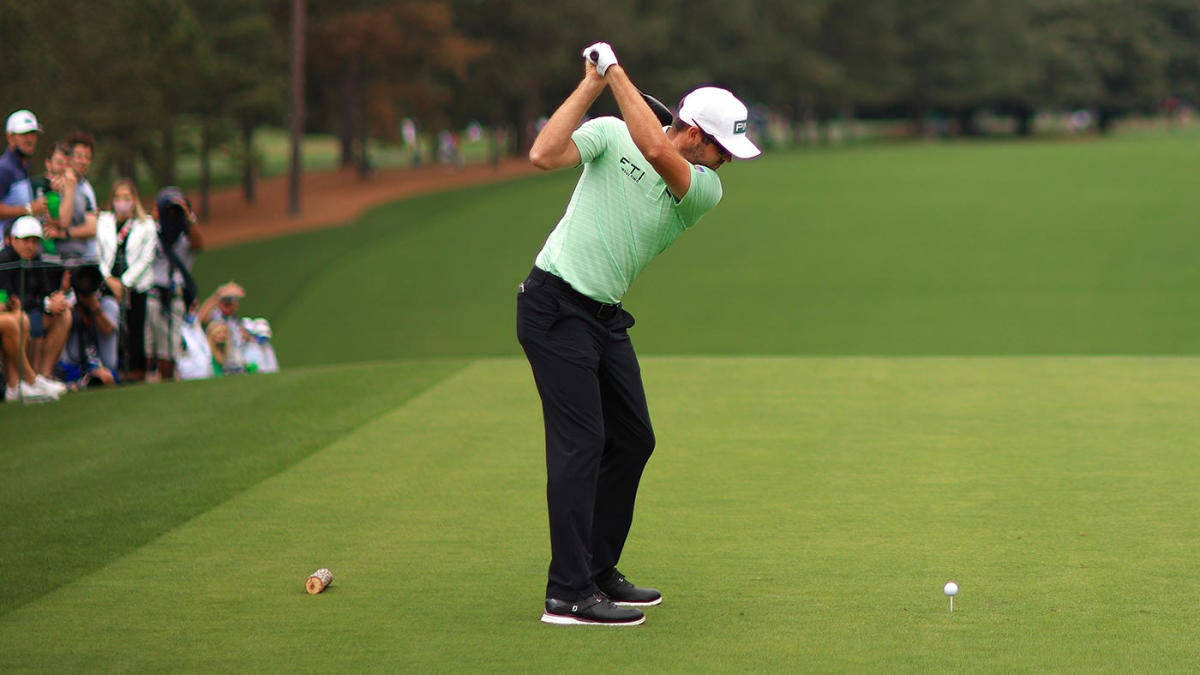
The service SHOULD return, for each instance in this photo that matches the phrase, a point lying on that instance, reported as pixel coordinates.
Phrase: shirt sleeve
(703, 194)
(592, 137)
(7, 178)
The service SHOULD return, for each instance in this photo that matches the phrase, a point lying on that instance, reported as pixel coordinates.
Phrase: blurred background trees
(137, 72)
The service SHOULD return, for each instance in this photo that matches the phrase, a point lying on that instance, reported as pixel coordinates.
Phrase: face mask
(123, 207)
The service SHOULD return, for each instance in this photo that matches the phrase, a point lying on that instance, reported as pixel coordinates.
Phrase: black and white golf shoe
(594, 610)
(622, 592)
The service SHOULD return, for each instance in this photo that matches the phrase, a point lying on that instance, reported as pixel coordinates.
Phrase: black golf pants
(598, 432)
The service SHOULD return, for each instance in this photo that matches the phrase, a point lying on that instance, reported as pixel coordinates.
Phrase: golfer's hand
(600, 55)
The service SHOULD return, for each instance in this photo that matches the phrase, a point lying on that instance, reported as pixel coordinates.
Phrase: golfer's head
(719, 120)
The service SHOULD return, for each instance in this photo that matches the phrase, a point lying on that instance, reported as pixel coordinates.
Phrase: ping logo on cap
(739, 127)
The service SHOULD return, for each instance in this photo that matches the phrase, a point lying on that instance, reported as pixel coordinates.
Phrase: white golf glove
(601, 55)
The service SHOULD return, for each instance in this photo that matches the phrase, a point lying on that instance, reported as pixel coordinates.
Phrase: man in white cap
(16, 193)
(642, 186)
(20, 272)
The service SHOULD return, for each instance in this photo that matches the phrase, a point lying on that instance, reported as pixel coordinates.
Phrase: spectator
(219, 346)
(16, 193)
(448, 148)
(174, 290)
(196, 361)
(40, 312)
(222, 307)
(57, 188)
(20, 380)
(74, 227)
(258, 355)
(91, 353)
(128, 242)
(81, 146)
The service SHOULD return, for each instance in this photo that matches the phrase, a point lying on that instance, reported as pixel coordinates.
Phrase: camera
(86, 279)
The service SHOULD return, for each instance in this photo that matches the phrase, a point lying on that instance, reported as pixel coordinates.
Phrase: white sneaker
(51, 384)
(30, 393)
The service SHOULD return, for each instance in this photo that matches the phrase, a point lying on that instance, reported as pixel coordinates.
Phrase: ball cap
(22, 122)
(26, 226)
(721, 115)
(170, 196)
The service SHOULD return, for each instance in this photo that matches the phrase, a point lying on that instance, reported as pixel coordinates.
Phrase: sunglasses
(709, 139)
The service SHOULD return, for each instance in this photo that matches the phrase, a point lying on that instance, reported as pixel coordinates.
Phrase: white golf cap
(26, 226)
(22, 122)
(721, 115)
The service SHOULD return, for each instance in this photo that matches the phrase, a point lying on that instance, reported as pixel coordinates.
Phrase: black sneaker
(622, 592)
(594, 610)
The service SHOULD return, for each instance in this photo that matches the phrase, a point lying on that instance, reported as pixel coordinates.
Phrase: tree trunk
(1025, 121)
(299, 21)
(166, 155)
(249, 163)
(849, 122)
(527, 117)
(205, 166)
(364, 161)
(968, 124)
(349, 94)
(126, 159)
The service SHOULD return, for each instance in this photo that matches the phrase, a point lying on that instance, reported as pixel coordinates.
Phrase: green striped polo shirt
(621, 214)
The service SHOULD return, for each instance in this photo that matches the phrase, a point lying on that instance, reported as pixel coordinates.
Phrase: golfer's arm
(7, 212)
(647, 133)
(553, 147)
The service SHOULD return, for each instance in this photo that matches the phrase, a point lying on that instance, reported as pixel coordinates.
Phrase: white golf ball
(951, 589)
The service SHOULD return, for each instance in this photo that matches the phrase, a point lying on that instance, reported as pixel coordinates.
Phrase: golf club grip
(594, 56)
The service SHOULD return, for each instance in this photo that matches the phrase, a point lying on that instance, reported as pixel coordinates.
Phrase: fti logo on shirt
(630, 169)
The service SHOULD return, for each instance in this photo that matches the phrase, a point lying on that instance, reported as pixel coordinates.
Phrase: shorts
(163, 337)
(37, 327)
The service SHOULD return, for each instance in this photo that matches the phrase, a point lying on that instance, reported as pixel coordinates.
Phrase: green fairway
(798, 514)
(101, 473)
(871, 370)
(991, 248)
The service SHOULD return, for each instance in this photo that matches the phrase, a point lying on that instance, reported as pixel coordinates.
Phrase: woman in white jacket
(128, 240)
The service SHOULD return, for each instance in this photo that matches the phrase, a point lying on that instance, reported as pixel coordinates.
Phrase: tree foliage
(133, 72)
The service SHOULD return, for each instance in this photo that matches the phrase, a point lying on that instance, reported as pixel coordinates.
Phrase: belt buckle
(607, 311)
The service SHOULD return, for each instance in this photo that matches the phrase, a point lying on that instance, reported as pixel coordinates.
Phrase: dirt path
(335, 198)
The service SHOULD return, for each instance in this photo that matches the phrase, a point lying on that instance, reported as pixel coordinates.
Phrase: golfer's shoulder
(707, 178)
(605, 125)
(599, 136)
(704, 192)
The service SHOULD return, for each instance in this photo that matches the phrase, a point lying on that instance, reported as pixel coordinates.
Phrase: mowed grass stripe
(98, 474)
(1042, 247)
(798, 512)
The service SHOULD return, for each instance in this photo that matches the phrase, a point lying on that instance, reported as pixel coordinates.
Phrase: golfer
(642, 186)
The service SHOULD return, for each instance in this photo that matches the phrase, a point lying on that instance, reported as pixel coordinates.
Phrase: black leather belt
(601, 310)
